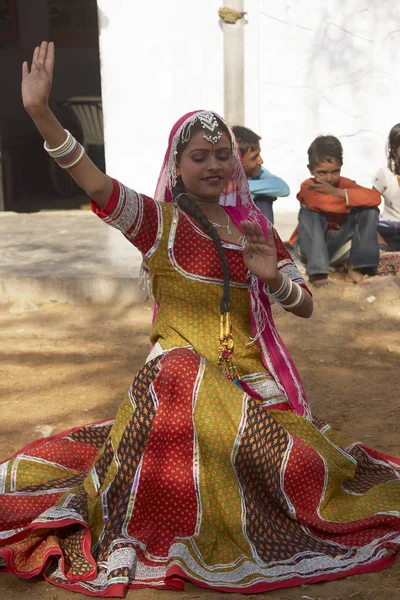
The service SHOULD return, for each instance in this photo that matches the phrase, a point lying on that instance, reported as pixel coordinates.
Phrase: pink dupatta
(239, 204)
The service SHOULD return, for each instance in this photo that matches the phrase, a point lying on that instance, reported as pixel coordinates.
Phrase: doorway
(30, 181)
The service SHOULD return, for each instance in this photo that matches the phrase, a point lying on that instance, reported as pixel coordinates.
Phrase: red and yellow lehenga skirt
(196, 480)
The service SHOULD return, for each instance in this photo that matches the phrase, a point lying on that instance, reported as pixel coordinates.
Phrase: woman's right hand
(36, 82)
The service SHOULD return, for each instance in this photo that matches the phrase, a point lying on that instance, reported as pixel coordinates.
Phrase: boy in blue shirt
(264, 187)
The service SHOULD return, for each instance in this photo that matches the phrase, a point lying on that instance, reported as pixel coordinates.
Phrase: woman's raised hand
(259, 253)
(36, 82)
(36, 87)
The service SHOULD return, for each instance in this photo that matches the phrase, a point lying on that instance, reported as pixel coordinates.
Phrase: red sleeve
(103, 213)
(138, 217)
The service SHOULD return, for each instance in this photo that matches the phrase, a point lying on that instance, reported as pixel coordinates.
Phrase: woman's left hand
(259, 253)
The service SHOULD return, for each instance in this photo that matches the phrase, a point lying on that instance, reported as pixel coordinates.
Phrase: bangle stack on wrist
(283, 293)
(299, 300)
(69, 154)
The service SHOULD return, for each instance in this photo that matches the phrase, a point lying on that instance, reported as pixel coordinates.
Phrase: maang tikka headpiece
(209, 123)
(212, 131)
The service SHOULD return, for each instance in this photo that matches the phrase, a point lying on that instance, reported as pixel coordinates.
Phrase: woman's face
(205, 168)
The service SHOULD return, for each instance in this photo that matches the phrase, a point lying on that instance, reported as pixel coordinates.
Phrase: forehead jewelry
(209, 123)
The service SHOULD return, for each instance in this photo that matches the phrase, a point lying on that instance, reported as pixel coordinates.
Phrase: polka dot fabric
(196, 479)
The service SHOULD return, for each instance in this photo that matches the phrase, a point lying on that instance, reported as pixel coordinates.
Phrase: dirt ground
(63, 365)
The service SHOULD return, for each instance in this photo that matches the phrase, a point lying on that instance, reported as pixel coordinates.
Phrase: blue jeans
(318, 246)
(391, 235)
(264, 203)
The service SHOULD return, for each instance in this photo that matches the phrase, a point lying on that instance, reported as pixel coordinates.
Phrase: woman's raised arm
(36, 88)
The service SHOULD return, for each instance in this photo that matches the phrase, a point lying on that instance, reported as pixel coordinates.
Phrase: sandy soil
(63, 365)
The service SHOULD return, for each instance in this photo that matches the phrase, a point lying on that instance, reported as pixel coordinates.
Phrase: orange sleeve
(318, 202)
(358, 195)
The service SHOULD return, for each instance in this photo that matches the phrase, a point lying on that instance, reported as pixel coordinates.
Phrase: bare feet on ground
(321, 280)
(353, 276)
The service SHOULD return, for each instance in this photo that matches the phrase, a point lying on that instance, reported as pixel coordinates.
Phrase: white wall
(322, 67)
(311, 68)
(159, 60)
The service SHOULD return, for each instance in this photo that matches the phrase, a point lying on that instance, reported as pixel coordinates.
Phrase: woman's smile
(212, 179)
(206, 168)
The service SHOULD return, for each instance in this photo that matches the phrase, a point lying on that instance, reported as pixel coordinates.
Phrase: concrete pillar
(234, 66)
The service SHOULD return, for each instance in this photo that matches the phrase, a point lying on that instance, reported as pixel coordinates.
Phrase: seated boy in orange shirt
(335, 212)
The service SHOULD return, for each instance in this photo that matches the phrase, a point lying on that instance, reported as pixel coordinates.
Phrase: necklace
(218, 226)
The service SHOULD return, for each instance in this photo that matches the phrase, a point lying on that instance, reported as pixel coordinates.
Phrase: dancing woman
(214, 470)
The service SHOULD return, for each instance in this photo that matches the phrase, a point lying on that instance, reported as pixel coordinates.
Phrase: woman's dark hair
(191, 208)
(393, 144)
(323, 149)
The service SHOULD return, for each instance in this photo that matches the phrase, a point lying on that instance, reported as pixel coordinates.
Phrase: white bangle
(76, 161)
(59, 149)
(286, 293)
(69, 154)
(299, 299)
(282, 286)
(284, 290)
